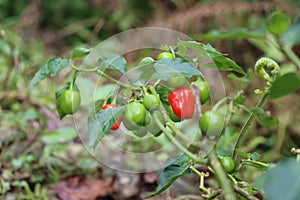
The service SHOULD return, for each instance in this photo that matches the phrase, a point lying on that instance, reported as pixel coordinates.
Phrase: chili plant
(169, 90)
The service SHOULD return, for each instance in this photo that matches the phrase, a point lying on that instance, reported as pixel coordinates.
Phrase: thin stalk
(112, 79)
(224, 181)
(83, 69)
(244, 193)
(247, 124)
(73, 79)
(176, 143)
(219, 103)
(244, 108)
(177, 131)
(102, 74)
(291, 55)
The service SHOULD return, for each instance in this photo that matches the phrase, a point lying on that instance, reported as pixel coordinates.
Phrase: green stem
(219, 103)
(171, 125)
(73, 79)
(83, 69)
(248, 123)
(244, 108)
(102, 74)
(291, 55)
(176, 143)
(225, 182)
(112, 79)
(244, 193)
(202, 175)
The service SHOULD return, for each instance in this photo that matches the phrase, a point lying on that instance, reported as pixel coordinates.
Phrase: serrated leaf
(244, 79)
(101, 122)
(291, 36)
(283, 181)
(284, 85)
(173, 169)
(220, 61)
(79, 53)
(237, 33)
(115, 62)
(264, 118)
(52, 67)
(278, 23)
(168, 68)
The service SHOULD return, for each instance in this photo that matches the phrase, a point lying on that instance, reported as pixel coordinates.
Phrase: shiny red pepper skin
(182, 102)
(117, 124)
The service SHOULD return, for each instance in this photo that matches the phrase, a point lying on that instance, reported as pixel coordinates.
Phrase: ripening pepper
(182, 102)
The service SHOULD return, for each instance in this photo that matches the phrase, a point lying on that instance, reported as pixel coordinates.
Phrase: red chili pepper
(182, 102)
(117, 124)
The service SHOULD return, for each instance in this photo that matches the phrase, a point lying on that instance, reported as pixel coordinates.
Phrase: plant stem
(83, 70)
(112, 79)
(247, 124)
(176, 143)
(219, 103)
(177, 131)
(244, 108)
(225, 182)
(189, 196)
(244, 193)
(73, 79)
(102, 74)
(291, 55)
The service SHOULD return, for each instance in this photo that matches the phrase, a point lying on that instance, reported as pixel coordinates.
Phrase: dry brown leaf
(80, 188)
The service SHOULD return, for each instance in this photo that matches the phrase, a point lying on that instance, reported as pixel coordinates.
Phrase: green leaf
(52, 67)
(291, 36)
(55, 65)
(220, 61)
(174, 168)
(99, 124)
(244, 79)
(105, 91)
(168, 68)
(79, 53)
(242, 154)
(5, 48)
(39, 76)
(283, 181)
(278, 23)
(146, 63)
(255, 156)
(238, 33)
(264, 118)
(62, 135)
(114, 62)
(163, 92)
(284, 85)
